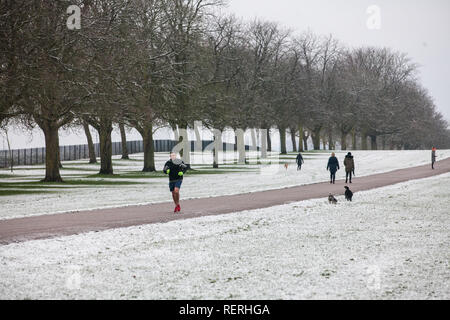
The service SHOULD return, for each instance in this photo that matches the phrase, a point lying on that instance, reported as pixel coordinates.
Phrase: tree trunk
(391, 145)
(364, 140)
(354, 139)
(324, 142)
(383, 143)
(149, 149)
(218, 146)
(331, 145)
(185, 153)
(59, 154)
(254, 146)
(305, 141)
(92, 157)
(11, 160)
(300, 138)
(175, 133)
(263, 136)
(294, 142)
(106, 148)
(344, 141)
(269, 141)
(198, 144)
(123, 136)
(373, 141)
(282, 131)
(316, 138)
(52, 173)
(240, 144)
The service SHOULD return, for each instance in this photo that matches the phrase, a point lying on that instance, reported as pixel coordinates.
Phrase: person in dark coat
(299, 161)
(176, 169)
(433, 157)
(349, 164)
(333, 166)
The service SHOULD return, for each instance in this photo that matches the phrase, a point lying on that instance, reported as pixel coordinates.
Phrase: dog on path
(348, 194)
(286, 165)
(332, 199)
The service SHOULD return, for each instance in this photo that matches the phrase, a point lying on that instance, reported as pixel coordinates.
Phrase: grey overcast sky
(419, 28)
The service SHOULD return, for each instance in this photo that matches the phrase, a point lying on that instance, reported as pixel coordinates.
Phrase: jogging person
(175, 168)
(433, 157)
(333, 166)
(349, 164)
(299, 161)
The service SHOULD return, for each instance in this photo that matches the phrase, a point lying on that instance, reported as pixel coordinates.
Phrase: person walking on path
(176, 169)
(299, 161)
(333, 166)
(433, 157)
(349, 164)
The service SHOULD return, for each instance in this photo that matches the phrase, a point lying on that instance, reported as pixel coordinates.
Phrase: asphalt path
(63, 224)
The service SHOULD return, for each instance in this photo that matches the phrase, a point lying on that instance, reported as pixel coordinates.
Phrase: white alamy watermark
(373, 280)
(74, 20)
(255, 152)
(374, 20)
(73, 277)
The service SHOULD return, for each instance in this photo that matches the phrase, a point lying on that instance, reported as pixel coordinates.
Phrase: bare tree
(185, 27)
(87, 131)
(43, 58)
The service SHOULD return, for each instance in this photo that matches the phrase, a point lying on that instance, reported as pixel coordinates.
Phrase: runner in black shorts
(175, 168)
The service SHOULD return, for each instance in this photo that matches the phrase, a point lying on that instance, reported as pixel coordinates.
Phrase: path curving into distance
(63, 224)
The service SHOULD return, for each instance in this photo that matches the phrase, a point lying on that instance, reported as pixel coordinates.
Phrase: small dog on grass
(348, 194)
(332, 199)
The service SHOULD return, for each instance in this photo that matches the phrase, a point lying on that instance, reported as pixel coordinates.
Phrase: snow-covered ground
(390, 243)
(237, 179)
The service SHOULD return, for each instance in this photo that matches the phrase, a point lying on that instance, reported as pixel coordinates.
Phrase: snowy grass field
(21, 193)
(390, 243)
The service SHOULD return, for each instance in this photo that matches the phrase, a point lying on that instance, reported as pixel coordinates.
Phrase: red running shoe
(177, 209)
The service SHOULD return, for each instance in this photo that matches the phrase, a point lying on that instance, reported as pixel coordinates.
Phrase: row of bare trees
(146, 64)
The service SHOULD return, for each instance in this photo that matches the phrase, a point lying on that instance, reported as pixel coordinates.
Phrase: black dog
(332, 199)
(348, 194)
